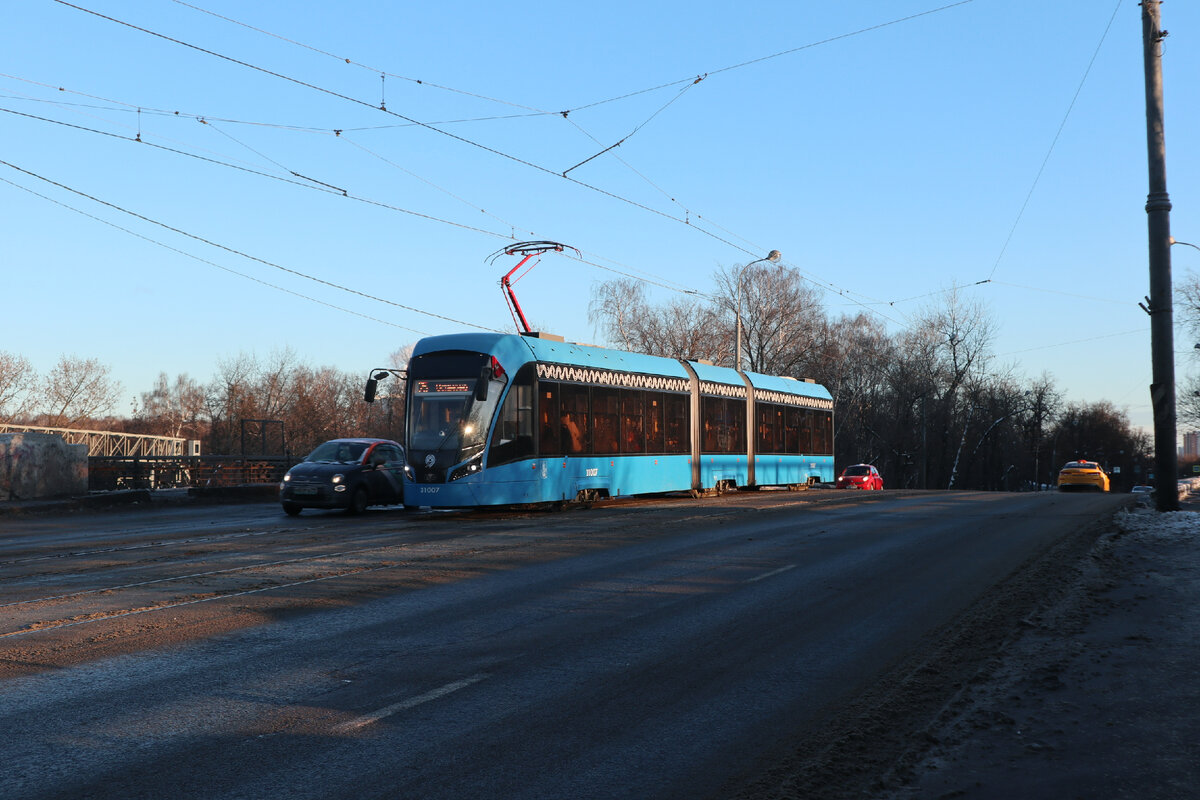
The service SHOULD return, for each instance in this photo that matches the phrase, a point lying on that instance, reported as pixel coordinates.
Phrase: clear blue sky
(890, 150)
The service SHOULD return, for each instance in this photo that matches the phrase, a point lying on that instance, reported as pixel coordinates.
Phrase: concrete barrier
(34, 466)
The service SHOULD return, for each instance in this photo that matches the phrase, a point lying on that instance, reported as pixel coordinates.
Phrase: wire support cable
(374, 70)
(1073, 341)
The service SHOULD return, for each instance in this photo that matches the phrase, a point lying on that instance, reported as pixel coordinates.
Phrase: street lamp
(773, 257)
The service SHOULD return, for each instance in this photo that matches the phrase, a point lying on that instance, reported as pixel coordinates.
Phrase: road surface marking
(403, 705)
(771, 574)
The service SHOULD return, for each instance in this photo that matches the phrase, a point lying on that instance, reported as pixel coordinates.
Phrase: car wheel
(358, 501)
(291, 509)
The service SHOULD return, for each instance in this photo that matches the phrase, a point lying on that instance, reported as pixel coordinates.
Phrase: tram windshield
(444, 416)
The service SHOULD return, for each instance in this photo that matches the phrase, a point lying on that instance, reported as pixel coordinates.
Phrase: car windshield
(854, 472)
(337, 453)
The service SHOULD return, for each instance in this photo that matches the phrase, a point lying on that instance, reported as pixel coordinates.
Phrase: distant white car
(1142, 489)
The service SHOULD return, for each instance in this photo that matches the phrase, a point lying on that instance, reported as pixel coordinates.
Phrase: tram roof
(772, 383)
(517, 349)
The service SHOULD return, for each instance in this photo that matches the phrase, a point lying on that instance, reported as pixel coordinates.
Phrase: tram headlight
(469, 468)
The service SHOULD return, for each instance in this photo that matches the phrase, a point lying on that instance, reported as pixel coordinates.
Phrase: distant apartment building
(1191, 443)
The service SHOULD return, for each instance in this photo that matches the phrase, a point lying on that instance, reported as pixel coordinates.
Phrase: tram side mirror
(481, 385)
(373, 384)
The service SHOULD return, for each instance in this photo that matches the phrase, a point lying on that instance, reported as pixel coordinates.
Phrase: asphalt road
(658, 649)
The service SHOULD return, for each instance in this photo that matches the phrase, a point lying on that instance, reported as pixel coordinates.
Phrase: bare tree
(276, 383)
(76, 391)
(229, 398)
(1045, 400)
(783, 318)
(17, 381)
(172, 409)
(1187, 296)
(618, 309)
(683, 328)
(852, 360)
(325, 404)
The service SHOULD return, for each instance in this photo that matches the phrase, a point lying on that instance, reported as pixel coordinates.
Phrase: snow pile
(1173, 524)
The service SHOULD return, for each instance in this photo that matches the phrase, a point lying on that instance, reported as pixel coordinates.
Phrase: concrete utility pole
(1158, 210)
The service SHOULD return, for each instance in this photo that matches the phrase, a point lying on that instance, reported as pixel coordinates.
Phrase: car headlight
(338, 478)
(287, 477)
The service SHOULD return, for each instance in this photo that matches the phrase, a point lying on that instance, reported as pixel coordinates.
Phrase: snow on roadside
(1151, 524)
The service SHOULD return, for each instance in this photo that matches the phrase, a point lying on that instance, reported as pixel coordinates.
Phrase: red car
(860, 476)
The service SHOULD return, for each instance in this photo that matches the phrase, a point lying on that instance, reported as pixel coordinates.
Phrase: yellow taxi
(1082, 475)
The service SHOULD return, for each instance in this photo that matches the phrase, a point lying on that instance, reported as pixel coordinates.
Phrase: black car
(346, 473)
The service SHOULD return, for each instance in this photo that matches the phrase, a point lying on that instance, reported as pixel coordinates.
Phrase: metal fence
(107, 473)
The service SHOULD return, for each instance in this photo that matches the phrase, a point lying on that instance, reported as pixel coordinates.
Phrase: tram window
(549, 416)
(823, 438)
(806, 432)
(655, 440)
(676, 421)
(573, 421)
(606, 408)
(770, 428)
(736, 431)
(791, 430)
(711, 414)
(633, 429)
(512, 438)
(723, 425)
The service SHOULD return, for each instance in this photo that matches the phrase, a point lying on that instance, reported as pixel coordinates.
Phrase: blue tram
(504, 419)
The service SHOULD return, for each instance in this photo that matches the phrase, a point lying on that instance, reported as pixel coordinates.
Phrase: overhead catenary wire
(464, 140)
(309, 184)
(691, 79)
(1054, 142)
(305, 183)
(687, 82)
(195, 257)
(210, 120)
(685, 220)
(236, 252)
(425, 125)
(625, 271)
(325, 188)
